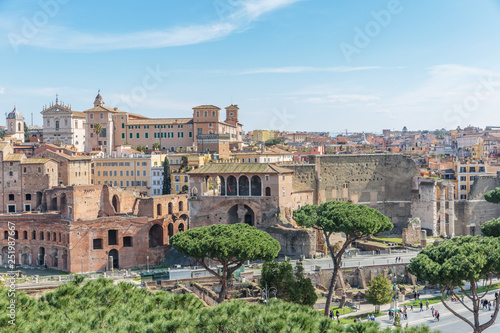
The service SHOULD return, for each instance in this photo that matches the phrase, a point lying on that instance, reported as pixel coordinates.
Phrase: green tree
(26, 133)
(458, 260)
(493, 196)
(379, 292)
(167, 181)
(156, 146)
(355, 221)
(491, 228)
(230, 245)
(290, 287)
(141, 149)
(273, 142)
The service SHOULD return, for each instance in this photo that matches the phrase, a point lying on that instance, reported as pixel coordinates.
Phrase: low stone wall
(172, 283)
(205, 294)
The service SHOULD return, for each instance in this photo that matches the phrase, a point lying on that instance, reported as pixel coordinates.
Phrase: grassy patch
(350, 319)
(389, 239)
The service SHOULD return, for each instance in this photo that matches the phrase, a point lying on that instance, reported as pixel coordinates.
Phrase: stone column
(238, 187)
(30, 259)
(442, 210)
(451, 211)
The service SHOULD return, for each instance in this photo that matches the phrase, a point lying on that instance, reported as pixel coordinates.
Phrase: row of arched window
(51, 236)
(159, 208)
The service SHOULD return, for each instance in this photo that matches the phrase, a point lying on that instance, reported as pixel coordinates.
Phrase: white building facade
(63, 125)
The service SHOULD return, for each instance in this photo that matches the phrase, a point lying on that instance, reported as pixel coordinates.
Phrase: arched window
(170, 208)
(256, 187)
(181, 206)
(33, 234)
(41, 235)
(19, 127)
(57, 124)
(16, 235)
(181, 227)
(25, 234)
(170, 229)
(244, 186)
(231, 186)
(268, 191)
(158, 209)
(5, 234)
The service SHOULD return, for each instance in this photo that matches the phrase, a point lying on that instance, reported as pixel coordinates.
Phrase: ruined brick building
(79, 228)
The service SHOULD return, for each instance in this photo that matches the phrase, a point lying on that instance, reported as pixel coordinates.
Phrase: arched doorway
(170, 208)
(222, 186)
(41, 256)
(25, 256)
(116, 203)
(244, 186)
(155, 236)
(181, 227)
(241, 214)
(170, 230)
(256, 186)
(268, 191)
(54, 203)
(55, 257)
(181, 206)
(114, 254)
(5, 255)
(158, 209)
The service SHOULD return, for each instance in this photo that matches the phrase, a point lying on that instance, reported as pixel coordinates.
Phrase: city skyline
(362, 67)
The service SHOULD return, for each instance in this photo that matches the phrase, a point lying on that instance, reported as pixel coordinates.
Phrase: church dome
(14, 114)
(98, 100)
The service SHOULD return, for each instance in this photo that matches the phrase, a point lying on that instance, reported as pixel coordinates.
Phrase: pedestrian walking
(437, 315)
(337, 314)
(421, 306)
(427, 305)
(411, 307)
(331, 314)
(432, 310)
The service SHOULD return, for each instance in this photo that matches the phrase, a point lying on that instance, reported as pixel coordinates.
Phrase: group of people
(368, 318)
(401, 313)
(435, 313)
(488, 304)
(398, 259)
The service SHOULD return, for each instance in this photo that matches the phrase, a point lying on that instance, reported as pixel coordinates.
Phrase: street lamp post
(266, 292)
(147, 266)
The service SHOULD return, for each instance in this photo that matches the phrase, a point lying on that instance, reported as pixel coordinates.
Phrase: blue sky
(313, 65)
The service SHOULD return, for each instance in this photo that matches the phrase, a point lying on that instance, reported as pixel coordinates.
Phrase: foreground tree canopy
(100, 306)
(355, 221)
(458, 260)
(491, 228)
(231, 245)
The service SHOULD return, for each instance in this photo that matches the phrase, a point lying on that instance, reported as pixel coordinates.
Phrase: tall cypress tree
(167, 182)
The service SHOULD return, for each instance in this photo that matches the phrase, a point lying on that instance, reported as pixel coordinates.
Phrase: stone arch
(244, 186)
(156, 236)
(53, 202)
(181, 227)
(115, 255)
(232, 186)
(25, 234)
(194, 192)
(116, 203)
(241, 214)
(55, 257)
(181, 206)
(222, 186)
(170, 208)
(159, 209)
(256, 186)
(268, 191)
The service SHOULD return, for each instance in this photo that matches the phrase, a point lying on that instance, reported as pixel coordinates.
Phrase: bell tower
(15, 125)
(232, 114)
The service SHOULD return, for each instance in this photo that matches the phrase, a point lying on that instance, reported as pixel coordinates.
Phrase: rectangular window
(463, 178)
(121, 182)
(177, 187)
(137, 183)
(463, 187)
(127, 241)
(123, 125)
(179, 126)
(128, 183)
(146, 126)
(123, 135)
(180, 134)
(97, 244)
(266, 178)
(138, 135)
(146, 135)
(170, 126)
(144, 163)
(131, 135)
(91, 116)
(126, 173)
(98, 173)
(121, 173)
(112, 237)
(284, 192)
(144, 183)
(144, 173)
(190, 134)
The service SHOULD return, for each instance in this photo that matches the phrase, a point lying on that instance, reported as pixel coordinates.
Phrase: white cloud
(64, 38)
